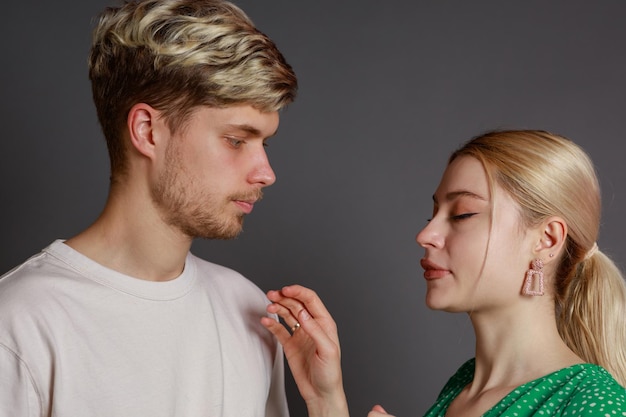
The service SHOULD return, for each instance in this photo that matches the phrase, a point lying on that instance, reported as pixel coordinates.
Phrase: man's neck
(135, 241)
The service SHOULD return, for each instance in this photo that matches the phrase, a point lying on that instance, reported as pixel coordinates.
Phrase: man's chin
(221, 236)
(226, 232)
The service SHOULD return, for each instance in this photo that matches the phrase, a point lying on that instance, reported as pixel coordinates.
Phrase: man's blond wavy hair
(176, 55)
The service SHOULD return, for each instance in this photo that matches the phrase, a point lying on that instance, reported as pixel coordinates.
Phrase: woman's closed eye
(462, 216)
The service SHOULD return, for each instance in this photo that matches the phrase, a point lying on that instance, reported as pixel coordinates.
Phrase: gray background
(388, 89)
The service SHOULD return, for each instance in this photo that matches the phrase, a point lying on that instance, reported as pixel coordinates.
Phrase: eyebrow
(251, 130)
(461, 193)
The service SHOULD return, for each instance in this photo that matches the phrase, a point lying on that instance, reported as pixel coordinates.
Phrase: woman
(512, 242)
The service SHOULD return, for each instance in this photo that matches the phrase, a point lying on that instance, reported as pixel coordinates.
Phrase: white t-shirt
(80, 340)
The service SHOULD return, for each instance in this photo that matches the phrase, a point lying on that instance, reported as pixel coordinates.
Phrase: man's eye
(463, 216)
(235, 143)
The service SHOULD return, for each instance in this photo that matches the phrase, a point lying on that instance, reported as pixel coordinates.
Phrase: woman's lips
(432, 270)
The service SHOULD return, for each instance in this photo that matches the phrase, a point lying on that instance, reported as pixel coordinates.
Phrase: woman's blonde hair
(176, 55)
(550, 175)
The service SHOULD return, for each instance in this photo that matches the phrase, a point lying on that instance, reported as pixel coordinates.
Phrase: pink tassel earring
(536, 269)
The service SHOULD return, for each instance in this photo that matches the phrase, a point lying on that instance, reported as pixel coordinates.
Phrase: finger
(284, 313)
(277, 329)
(327, 329)
(378, 411)
(292, 304)
(309, 298)
(327, 344)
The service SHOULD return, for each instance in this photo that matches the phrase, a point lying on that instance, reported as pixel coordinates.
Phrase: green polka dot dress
(577, 391)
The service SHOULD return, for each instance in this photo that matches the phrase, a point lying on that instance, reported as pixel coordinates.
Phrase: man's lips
(432, 270)
(246, 201)
(245, 206)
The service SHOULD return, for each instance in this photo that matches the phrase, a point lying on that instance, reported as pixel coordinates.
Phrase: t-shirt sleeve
(18, 396)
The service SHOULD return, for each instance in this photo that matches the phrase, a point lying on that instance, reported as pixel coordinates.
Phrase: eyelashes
(235, 143)
(463, 216)
(457, 217)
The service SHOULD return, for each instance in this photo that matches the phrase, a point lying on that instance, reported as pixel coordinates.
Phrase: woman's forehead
(464, 176)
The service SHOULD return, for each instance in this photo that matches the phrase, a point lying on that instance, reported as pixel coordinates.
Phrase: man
(121, 320)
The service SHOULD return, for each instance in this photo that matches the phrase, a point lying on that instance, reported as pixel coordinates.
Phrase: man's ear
(552, 237)
(144, 127)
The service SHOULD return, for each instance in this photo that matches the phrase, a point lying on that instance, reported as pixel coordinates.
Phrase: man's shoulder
(205, 266)
(30, 295)
(38, 285)
(28, 279)
(224, 278)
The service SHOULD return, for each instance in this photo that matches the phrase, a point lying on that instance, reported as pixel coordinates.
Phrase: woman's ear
(143, 128)
(552, 237)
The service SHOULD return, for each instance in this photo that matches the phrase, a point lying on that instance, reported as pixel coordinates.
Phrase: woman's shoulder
(593, 390)
(590, 374)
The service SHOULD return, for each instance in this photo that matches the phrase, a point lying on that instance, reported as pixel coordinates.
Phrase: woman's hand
(378, 411)
(312, 348)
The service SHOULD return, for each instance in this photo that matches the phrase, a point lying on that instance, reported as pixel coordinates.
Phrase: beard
(195, 213)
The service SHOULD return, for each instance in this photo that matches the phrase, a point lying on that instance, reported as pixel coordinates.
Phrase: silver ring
(295, 327)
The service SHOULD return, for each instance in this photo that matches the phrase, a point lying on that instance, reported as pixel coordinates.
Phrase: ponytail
(591, 313)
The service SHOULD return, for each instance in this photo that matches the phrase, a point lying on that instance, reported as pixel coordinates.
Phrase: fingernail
(304, 315)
